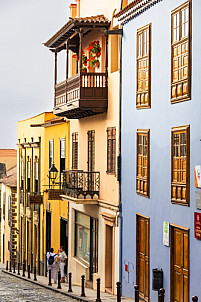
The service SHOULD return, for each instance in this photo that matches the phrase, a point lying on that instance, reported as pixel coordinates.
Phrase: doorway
(28, 243)
(142, 255)
(64, 238)
(109, 259)
(36, 245)
(179, 264)
(48, 231)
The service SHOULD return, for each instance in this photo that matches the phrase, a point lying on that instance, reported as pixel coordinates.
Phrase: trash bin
(157, 279)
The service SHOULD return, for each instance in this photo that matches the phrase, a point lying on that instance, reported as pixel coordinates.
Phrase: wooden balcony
(82, 95)
(79, 184)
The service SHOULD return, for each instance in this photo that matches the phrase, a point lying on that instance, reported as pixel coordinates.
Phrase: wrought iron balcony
(82, 95)
(81, 184)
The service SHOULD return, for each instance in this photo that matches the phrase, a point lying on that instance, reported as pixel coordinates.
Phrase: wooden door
(142, 255)
(109, 259)
(179, 259)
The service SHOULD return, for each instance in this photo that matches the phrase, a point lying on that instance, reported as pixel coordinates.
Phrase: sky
(26, 65)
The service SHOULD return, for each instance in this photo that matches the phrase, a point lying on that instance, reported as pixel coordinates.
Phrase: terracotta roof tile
(99, 19)
(125, 9)
(8, 153)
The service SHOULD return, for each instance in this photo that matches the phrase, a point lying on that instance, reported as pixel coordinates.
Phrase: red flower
(88, 48)
(100, 48)
(87, 60)
(92, 58)
(88, 67)
(85, 64)
(99, 54)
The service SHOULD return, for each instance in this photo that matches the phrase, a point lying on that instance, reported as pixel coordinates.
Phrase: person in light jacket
(51, 264)
(61, 256)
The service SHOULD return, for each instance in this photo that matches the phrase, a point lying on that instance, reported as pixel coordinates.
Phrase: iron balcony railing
(78, 183)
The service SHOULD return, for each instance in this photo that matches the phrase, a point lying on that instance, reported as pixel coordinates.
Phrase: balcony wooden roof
(69, 29)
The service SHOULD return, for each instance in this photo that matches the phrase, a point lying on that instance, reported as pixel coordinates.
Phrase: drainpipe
(120, 202)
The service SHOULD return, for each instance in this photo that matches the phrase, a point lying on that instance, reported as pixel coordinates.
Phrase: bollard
(29, 277)
(23, 267)
(70, 283)
(49, 277)
(35, 279)
(14, 267)
(118, 291)
(195, 299)
(161, 295)
(18, 269)
(136, 287)
(83, 293)
(7, 265)
(10, 267)
(59, 280)
(98, 290)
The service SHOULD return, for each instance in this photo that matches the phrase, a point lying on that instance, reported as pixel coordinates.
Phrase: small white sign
(198, 176)
(166, 233)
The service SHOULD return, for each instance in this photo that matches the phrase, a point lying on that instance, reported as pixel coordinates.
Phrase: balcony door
(91, 159)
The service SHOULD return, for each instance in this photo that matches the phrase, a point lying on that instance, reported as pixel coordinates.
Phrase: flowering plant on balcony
(84, 60)
(95, 50)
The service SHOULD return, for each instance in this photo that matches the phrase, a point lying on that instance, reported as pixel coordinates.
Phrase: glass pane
(83, 243)
(83, 219)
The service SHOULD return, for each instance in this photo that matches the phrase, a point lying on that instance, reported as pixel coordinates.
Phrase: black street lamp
(53, 172)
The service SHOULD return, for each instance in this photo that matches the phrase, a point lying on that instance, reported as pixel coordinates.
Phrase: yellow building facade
(42, 214)
(90, 98)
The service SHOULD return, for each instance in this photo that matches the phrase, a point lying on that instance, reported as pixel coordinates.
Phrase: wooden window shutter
(75, 150)
(180, 174)
(143, 162)
(111, 150)
(181, 53)
(143, 96)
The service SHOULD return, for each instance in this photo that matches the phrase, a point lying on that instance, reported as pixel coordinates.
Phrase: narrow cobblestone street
(14, 289)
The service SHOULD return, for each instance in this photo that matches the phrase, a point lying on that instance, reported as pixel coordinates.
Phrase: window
(86, 240)
(75, 150)
(91, 150)
(181, 54)
(111, 150)
(143, 142)
(51, 153)
(9, 210)
(180, 165)
(4, 205)
(144, 67)
(36, 174)
(22, 174)
(28, 175)
(62, 154)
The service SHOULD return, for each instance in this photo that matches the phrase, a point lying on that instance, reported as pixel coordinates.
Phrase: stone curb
(49, 287)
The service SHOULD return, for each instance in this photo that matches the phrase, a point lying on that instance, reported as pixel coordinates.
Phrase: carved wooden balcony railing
(82, 95)
(81, 184)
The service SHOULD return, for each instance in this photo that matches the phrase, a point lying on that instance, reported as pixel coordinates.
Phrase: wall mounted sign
(166, 233)
(198, 199)
(197, 176)
(197, 225)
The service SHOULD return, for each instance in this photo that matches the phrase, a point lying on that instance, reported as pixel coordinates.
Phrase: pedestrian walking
(61, 258)
(51, 264)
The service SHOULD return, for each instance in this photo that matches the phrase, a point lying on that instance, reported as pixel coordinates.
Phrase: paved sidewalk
(76, 294)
